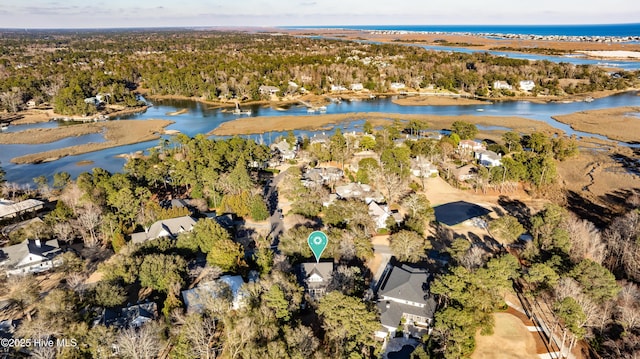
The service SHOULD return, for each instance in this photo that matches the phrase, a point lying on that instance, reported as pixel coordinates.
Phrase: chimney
(38, 244)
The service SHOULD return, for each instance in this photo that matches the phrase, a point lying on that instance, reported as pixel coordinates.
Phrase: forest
(63, 68)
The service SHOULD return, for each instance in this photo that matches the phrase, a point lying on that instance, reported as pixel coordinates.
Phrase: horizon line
(304, 26)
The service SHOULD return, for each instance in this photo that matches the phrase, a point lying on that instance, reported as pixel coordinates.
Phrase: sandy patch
(179, 112)
(33, 116)
(511, 339)
(620, 123)
(618, 54)
(48, 135)
(437, 100)
(252, 125)
(117, 133)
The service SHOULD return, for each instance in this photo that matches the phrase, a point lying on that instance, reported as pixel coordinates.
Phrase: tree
(512, 141)
(396, 160)
(348, 325)
(226, 254)
(409, 246)
(161, 271)
(419, 207)
(140, 343)
(506, 229)
(60, 179)
(109, 294)
(597, 282)
(465, 130)
(366, 167)
(367, 127)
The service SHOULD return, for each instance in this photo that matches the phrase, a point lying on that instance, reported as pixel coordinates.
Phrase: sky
(180, 13)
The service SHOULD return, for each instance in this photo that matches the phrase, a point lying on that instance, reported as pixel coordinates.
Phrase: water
(202, 119)
(617, 30)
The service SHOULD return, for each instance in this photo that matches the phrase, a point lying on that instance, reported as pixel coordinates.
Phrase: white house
(165, 228)
(381, 213)
(30, 256)
(315, 277)
(404, 294)
(360, 191)
(337, 88)
(356, 87)
(268, 90)
(397, 86)
(501, 85)
(526, 85)
(195, 299)
(471, 146)
(420, 167)
(287, 152)
(488, 158)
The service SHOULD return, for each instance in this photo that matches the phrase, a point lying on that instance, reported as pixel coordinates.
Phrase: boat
(310, 110)
(238, 111)
(588, 99)
(4, 127)
(322, 108)
(480, 109)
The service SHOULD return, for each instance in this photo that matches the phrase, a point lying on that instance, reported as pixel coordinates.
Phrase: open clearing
(510, 340)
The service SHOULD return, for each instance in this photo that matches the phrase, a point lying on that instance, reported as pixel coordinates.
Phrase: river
(202, 119)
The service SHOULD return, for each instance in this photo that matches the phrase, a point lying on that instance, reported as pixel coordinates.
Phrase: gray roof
(391, 312)
(130, 317)
(9, 209)
(168, 227)
(406, 283)
(12, 255)
(323, 269)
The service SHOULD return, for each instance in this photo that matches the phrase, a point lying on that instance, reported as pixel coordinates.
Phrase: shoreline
(32, 116)
(116, 133)
(617, 123)
(471, 41)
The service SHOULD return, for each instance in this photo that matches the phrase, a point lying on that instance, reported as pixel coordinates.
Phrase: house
(395, 86)
(465, 173)
(359, 191)
(285, 149)
(501, 85)
(165, 228)
(268, 90)
(321, 138)
(337, 88)
(321, 175)
(420, 167)
(471, 146)
(315, 278)
(30, 256)
(133, 316)
(92, 101)
(380, 214)
(488, 158)
(231, 286)
(404, 297)
(10, 209)
(356, 87)
(526, 85)
(31, 103)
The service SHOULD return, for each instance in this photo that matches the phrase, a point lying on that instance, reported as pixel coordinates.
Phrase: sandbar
(252, 125)
(437, 100)
(617, 54)
(116, 133)
(619, 123)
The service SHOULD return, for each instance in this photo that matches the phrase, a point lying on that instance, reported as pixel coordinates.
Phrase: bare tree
(473, 259)
(11, 100)
(586, 241)
(140, 343)
(628, 313)
(63, 230)
(89, 217)
(393, 184)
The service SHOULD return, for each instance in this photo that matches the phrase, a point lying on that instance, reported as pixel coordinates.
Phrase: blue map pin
(317, 242)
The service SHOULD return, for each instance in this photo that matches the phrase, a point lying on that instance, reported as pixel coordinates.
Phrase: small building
(165, 228)
(31, 103)
(404, 297)
(420, 167)
(92, 101)
(268, 90)
(31, 256)
(465, 173)
(196, 299)
(356, 87)
(488, 158)
(395, 86)
(133, 316)
(10, 209)
(471, 146)
(526, 85)
(315, 278)
(337, 88)
(501, 85)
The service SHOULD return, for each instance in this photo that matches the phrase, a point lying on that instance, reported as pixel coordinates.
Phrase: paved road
(271, 196)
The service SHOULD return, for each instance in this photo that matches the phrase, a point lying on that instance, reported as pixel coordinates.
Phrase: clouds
(119, 13)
